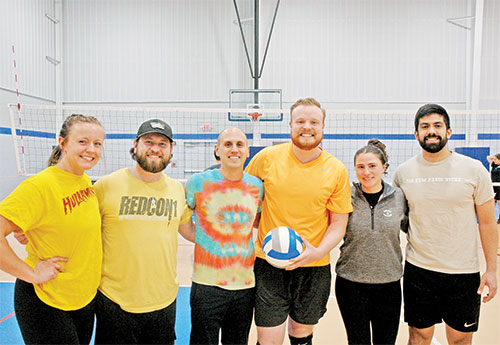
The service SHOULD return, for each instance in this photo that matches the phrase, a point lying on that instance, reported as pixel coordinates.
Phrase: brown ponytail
(376, 147)
(68, 123)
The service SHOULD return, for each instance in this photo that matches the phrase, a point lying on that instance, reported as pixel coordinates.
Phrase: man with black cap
(142, 210)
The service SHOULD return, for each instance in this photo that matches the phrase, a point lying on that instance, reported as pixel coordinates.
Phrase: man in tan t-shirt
(446, 193)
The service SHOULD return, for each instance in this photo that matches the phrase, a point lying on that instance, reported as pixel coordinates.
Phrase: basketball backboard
(267, 102)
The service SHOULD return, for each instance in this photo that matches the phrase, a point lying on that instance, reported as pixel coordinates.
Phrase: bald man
(225, 203)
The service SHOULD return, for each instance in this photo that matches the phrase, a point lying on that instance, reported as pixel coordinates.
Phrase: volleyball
(280, 245)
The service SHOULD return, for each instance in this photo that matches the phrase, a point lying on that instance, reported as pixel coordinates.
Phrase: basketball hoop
(254, 116)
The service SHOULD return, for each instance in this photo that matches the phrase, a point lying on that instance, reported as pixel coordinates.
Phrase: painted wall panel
(25, 27)
(347, 53)
(122, 51)
(490, 71)
(357, 52)
(361, 53)
(369, 51)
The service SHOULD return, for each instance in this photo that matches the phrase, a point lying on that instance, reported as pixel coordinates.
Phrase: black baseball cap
(155, 126)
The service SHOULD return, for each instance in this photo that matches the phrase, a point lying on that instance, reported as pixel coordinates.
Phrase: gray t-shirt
(443, 232)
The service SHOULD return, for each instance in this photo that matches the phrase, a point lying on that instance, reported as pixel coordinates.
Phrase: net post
(14, 140)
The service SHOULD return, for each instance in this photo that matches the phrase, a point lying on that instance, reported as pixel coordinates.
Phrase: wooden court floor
(330, 330)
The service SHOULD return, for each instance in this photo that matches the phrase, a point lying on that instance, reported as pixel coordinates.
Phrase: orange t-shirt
(299, 195)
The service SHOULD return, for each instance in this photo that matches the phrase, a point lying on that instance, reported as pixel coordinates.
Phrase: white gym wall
(355, 54)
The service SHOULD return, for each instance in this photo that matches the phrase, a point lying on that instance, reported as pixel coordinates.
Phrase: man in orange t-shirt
(306, 189)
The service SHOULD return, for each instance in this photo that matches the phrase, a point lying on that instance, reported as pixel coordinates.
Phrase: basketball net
(254, 116)
(254, 119)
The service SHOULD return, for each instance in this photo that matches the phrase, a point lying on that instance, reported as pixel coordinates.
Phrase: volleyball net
(34, 130)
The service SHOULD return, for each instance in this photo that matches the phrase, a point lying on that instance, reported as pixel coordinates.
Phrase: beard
(309, 145)
(433, 147)
(152, 167)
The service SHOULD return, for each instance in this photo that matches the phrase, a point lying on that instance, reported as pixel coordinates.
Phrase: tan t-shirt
(299, 195)
(140, 222)
(443, 233)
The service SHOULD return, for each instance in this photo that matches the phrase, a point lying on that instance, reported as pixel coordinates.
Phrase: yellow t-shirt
(299, 195)
(59, 214)
(140, 222)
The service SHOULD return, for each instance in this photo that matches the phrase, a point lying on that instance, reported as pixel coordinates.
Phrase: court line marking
(7, 317)
(435, 342)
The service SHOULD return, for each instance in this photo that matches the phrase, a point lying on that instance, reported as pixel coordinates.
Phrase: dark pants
(364, 305)
(43, 324)
(117, 326)
(215, 310)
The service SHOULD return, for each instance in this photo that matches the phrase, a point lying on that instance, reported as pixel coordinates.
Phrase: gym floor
(330, 329)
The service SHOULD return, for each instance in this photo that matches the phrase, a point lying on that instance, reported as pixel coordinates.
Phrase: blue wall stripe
(352, 136)
(185, 136)
(36, 134)
(213, 136)
(206, 136)
(28, 133)
(367, 136)
(120, 136)
(488, 136)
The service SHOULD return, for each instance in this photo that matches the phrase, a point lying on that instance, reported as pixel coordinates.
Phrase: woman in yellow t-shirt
(57, 212)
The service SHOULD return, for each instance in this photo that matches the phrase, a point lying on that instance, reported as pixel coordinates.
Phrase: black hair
(429, 109)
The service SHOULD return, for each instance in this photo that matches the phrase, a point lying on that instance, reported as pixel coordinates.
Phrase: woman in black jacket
(495, 177)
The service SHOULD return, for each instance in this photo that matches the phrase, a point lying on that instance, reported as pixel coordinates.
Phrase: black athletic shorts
(301, 293)
(431, 297)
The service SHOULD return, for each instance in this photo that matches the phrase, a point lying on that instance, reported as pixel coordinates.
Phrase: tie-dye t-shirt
(224, 212)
